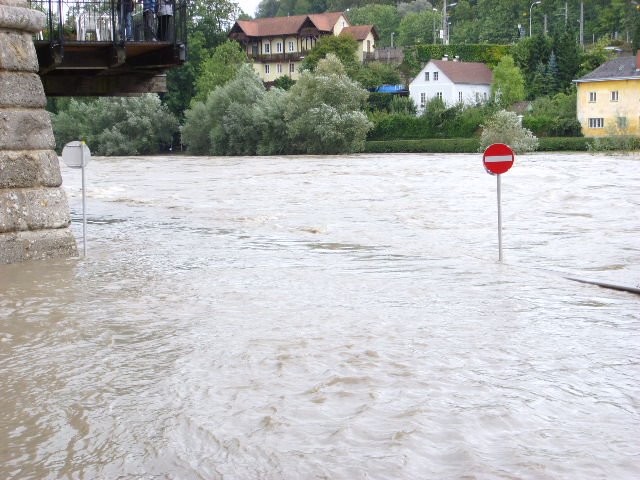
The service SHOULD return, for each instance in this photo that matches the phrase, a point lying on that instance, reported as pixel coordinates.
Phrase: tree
(219, 125)
(344, 47)
(374, 74)
(323, 111)
(414, 27)
(219, 68)
(508, 82)
(117, 126)
(504, 127)
(384, 17)
(568, 58)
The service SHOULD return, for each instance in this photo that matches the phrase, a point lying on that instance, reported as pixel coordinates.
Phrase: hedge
(469, 145)
(432, 145)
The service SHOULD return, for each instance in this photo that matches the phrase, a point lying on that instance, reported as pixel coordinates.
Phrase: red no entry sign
(498, 158)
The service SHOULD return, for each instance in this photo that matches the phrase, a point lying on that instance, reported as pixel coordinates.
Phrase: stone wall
(34, 213)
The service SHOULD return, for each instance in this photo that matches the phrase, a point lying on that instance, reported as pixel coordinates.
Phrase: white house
(452, 81)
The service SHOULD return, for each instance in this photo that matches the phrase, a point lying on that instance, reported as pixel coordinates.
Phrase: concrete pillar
(34, 213)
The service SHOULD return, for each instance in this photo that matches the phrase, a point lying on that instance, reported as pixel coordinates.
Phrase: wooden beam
(77, 84)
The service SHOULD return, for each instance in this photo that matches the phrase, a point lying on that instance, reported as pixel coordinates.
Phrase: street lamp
(445, 32)
(530, 10)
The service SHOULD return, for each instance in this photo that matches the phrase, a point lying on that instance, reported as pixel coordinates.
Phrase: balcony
(84, 50)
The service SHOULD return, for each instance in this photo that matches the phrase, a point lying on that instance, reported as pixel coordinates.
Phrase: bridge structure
(101, 48)
(62, 48)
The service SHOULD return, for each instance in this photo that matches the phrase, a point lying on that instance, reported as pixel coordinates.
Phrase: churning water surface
(330, 318)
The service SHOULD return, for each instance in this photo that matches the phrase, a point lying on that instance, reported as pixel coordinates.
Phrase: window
(292, 47)
(592, 97)
(460, 96)
(423, 99)
(292, 67)
(622, 123)
(279, 47)
(267, 48)
(485, 97)
(435, 76)
(279, 68)
(614, 96)
(439, 95)
(596, 123)
(426, 76)
(266, 69)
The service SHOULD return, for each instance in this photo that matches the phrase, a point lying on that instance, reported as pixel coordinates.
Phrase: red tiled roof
(325, 21)
(360, 32)
(269, 27)
(465, 72)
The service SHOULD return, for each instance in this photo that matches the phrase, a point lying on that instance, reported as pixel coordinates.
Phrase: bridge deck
(74, 63)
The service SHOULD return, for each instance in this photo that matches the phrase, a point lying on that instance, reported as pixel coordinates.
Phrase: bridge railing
(105, 21)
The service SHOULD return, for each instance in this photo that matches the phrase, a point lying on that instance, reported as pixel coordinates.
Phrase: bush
(563, 144)
(554, 116)
(620, 143)
(504, 127)
(434, 145)
(116, 126)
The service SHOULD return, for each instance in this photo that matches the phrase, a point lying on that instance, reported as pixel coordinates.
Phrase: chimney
(445, 58)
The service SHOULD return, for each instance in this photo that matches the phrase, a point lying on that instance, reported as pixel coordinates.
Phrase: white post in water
(76, 154)
(499, 222)
(498, 158)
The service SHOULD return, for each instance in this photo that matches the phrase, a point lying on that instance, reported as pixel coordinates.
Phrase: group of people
(162, 10)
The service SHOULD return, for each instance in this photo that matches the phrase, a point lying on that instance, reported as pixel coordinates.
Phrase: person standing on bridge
(125, 14)
(165, 12)
(148, 15)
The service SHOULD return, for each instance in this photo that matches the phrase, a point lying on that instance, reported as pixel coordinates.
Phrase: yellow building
(277, 45)
(609, 98)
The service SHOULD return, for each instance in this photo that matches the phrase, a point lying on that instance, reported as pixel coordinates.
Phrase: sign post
(498, 159)
(76, 154)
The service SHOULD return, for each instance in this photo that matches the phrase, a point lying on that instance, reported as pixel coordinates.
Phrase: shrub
(504, 127)
(563, 144)
(116, 126)
(434, 145)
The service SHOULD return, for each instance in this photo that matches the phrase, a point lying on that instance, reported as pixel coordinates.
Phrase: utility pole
(444, 22)
(582, 24)
(566, 14)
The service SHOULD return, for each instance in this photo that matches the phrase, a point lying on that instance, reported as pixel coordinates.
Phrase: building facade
(278, 45)
(453, 82)
(608, 99)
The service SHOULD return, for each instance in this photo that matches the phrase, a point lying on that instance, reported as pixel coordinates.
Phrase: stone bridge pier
(34, 212)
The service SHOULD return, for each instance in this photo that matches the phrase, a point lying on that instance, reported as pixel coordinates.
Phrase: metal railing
(106, 21)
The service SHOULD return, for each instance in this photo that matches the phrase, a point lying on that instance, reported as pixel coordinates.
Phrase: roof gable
(360, 32)
(474, 73)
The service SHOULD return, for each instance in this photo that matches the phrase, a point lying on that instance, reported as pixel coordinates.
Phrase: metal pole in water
(84, 205)
(499, 222)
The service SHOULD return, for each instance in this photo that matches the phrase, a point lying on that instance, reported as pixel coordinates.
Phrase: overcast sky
(249, 6)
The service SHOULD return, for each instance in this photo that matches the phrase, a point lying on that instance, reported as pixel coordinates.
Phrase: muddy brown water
(330, 317)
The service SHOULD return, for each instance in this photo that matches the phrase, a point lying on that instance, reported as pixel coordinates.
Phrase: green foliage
(504, 127)
(284, 83)
(563, 144)
(508, 82)
(437, 121)
(323, 111)
(375, 74)
(402, 105)
(554, 116)
(117, 126)
(319, 114)
(433, 145)
(593, 57)
(384, 17)
(344, 47)
(219, 68)
(414, 29)
(622, 143)
(216, 125)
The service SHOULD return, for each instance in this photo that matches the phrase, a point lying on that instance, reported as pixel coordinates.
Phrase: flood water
(330, 318)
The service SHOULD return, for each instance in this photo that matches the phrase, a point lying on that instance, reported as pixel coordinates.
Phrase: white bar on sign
(498, 158)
